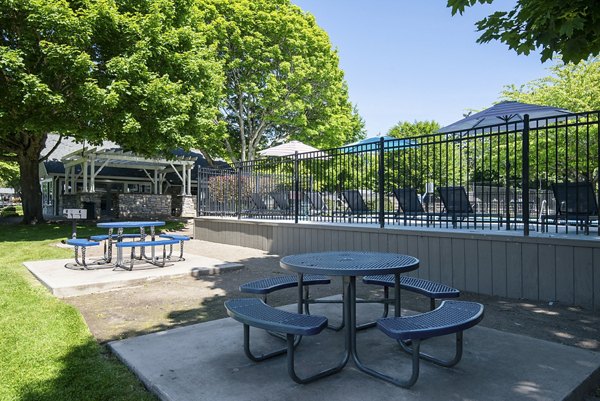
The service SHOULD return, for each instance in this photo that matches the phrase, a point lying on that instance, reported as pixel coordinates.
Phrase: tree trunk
(31, 191)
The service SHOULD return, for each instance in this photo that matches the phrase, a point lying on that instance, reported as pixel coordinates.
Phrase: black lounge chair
(409, 205)
(257, 205)
(281, 201)
(355, 202)
(317, 204)
(457, 205)
(575, 201)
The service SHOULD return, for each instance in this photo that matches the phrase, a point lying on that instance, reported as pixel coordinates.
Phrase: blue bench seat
(253, 312)
(256, 313)
(137, 244)
(268, 285)
(104, 237)
(428, 288)
(143, 244)
(448, 318)
(83, 244)
(178, 237)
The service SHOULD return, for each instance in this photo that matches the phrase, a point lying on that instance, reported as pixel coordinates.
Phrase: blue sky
(412, 60)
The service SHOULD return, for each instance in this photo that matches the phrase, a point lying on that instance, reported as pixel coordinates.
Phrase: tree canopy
(575, 87)
(282, 77)
(139, 73)
(406, 129)
(570, 29)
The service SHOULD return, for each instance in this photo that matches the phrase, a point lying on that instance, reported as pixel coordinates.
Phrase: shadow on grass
(89, 372)
(61, 230)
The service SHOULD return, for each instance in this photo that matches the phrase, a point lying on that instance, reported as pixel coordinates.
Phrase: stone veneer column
(186, 205)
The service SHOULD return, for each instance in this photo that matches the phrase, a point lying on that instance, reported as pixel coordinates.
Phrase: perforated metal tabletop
(130, 224)
(349, 263)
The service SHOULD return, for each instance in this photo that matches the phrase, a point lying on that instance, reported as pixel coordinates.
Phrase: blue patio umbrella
(372, 144)
(509, 112)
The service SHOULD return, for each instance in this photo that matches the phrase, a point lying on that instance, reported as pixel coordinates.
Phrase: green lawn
(47, 352)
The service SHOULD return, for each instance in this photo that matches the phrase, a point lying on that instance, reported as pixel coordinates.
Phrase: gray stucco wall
(544, 268)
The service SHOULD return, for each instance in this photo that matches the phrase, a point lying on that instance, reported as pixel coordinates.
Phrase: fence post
(198, 190)
(239, 193)
(296, 188)
(525, 179)
(381, 183)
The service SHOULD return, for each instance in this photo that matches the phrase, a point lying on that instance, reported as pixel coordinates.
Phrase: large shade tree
(282, 77)
(570, 29)
(575, 87)
(406, 129)
(137, 72)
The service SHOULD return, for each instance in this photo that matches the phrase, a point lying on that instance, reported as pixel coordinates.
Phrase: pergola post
(93, 174)
(85, 175)
(189, 186)
(155, 182)
(183, 180)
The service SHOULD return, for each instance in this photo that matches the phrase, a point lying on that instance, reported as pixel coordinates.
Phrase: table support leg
(300, 292)
(108, 255)
(352, 334)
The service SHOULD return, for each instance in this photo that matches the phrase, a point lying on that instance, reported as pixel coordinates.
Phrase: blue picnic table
(120, 226)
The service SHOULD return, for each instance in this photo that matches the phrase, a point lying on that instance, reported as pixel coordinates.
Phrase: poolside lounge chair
(257, 205)
(457, 205)
(317, 204)
(282, 201)
(355, 203)
(409, 205)
(575, 201)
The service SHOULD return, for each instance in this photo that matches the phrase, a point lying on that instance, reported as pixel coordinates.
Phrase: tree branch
(9, 158)
(230, 151)
(41, 159)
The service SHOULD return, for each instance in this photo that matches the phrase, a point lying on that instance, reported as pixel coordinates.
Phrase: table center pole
(300, 292)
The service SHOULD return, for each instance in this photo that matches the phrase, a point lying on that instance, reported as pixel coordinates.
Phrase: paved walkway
(206, 362)
(68, 282)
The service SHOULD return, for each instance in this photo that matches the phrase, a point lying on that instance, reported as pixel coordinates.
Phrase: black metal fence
(539, 174)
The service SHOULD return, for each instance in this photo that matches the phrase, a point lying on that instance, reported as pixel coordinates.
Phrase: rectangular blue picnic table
(120, 226)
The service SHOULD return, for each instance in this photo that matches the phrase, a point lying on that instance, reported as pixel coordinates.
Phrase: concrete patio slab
(63, 282)
(206, 362)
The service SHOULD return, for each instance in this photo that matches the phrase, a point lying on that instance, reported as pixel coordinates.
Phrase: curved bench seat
(254, 312)
(450, 317)
(270, 284)
(428, 288)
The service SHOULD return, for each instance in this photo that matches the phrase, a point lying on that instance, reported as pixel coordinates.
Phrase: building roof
(119, 163)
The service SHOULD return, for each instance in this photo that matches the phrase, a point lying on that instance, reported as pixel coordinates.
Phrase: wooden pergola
(93, 160)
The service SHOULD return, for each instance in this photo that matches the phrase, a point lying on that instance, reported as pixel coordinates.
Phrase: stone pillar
(185, 206)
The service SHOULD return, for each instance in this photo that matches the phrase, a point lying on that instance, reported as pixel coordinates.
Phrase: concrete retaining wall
(544, 268)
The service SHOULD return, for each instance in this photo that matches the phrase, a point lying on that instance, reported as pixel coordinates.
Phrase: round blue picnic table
(349, 265)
